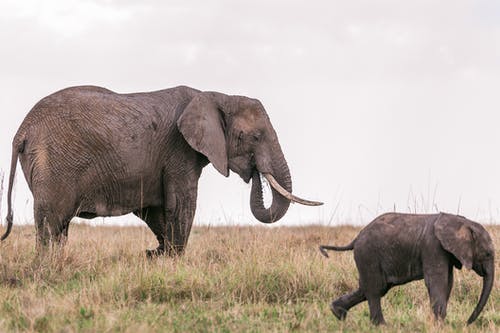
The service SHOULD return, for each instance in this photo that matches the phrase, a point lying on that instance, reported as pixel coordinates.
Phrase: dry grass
(230, 279)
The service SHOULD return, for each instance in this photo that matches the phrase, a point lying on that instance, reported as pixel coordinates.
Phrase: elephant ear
(202, 126)
(455, 237)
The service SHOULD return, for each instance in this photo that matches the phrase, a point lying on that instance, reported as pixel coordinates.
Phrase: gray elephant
(88, 151)
(398, 248)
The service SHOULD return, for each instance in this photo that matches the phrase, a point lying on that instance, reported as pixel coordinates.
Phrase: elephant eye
(255, 137)
(240, 138)
(251, 138)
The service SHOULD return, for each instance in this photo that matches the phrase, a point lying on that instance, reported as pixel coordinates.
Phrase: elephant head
(471, 245)
(235, 133)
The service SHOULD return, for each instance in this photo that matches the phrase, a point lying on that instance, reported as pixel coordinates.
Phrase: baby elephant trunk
(485, 293)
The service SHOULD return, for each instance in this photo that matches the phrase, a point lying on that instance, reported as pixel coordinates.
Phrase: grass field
(231, 279)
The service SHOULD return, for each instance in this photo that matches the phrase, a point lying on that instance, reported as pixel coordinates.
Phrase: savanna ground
(231, 279)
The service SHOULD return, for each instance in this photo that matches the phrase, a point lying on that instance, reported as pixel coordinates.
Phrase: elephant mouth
(479, 270)
(277, 186)
(281, 196)
(248, 175)
(274, 184)
(244, 167)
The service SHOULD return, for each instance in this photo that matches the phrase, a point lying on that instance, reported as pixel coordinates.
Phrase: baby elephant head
(471, 245)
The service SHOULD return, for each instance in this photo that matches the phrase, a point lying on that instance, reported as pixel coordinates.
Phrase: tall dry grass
(231, 279)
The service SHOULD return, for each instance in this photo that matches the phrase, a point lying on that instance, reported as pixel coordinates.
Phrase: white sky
(377, 104)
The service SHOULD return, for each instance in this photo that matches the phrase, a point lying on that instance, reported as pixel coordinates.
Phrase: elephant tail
(16, 149)
(324, 248)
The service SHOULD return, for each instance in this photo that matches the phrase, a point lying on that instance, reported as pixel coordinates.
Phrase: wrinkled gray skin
(87, 151)
(398, 248)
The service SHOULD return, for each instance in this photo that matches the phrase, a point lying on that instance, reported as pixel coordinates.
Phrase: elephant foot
(378, 321)
(338, 311)
(159, 251)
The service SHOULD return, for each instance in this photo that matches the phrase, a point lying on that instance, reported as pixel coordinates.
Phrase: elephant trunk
(280, 204)
(485, 293)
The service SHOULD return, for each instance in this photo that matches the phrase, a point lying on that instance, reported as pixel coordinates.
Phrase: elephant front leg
(439, 283)
(180, 207)
(155, 219)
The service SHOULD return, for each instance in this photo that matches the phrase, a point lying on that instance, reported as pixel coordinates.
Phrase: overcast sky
(378, 104)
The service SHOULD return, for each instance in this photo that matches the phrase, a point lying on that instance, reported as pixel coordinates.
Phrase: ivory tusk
(274, 183)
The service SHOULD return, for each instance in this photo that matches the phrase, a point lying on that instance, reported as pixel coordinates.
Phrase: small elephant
(398, 248)
(88, 151)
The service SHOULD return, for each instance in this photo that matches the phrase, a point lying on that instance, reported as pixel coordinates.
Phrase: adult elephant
(87, 151)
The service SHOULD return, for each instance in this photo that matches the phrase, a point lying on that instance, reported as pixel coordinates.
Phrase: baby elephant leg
(341, 305)
(376, 315)
(439, 284)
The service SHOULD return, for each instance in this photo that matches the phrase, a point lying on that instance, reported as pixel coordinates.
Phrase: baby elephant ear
(455, 237)
(201, 124)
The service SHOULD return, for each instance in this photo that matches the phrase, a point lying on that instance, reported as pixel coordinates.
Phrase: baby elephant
(398, 248)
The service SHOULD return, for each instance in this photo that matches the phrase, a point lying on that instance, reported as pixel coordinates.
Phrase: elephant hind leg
(372, 281)
(376, 316)
(51, 225)
(53, 214)
(341, 305)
